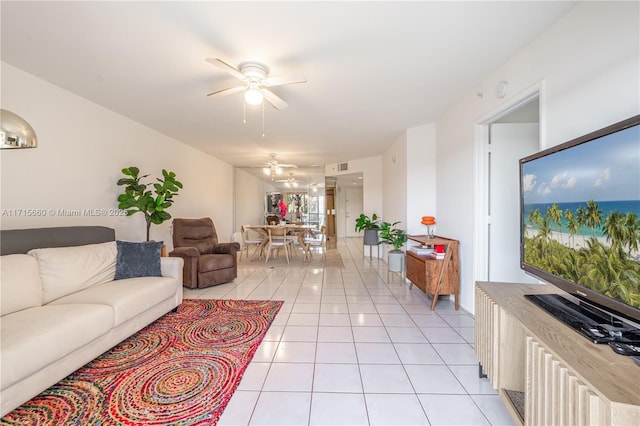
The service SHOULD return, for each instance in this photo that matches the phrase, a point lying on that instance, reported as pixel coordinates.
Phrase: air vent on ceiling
(343, 167)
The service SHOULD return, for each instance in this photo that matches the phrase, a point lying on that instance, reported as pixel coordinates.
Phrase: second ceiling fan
(290, 182)
(255, 82)
(273, 168)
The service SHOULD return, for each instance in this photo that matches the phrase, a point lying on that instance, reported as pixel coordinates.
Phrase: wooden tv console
(560, 377)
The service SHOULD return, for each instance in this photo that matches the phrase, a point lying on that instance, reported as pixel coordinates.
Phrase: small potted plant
(395, 237)
(370, 226)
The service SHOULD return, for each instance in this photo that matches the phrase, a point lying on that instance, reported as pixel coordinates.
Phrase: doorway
(508, 142)
(331, 215)
(505, 137)
(353, 207)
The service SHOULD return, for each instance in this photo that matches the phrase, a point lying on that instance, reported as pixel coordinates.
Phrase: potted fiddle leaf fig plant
(139, 198)
(370, 226)
(390, 234)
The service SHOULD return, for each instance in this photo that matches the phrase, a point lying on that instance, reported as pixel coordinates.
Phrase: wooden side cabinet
(545, 372)
(435, 276)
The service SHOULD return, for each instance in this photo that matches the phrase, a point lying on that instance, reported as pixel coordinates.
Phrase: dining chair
(272, 219)
(278, 239)
(315, 239)
(247, 241)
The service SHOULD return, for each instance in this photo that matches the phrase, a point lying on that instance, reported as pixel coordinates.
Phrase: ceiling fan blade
(288, 165)
(226, 67)
(227, 91)
(281, 80)
(273, 99)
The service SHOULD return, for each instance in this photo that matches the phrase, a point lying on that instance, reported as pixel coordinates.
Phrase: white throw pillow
(20, 286)
(66, 270)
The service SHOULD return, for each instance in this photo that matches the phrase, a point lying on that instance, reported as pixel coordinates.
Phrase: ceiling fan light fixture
(266, 171)
(253, 96)
(256, 82)
(278, 170)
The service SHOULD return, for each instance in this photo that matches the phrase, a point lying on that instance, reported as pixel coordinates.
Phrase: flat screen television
(580, 218)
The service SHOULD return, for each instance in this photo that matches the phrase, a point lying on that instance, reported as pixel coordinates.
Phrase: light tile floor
(352, 347)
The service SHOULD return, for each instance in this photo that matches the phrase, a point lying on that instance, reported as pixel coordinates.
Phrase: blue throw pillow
(138, 259)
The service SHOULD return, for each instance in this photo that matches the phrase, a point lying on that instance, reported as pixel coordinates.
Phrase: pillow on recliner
(138, 259)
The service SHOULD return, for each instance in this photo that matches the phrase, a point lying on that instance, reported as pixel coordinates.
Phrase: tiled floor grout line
(401, 363)
(272, 361)
(444, 363)
(364, 396)
(360, 275)
(315, 357)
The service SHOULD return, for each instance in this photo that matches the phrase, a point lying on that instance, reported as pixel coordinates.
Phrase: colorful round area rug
(180, 370)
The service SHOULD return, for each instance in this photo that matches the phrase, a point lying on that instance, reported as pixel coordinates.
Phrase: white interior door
(353, 208)
(508, 143)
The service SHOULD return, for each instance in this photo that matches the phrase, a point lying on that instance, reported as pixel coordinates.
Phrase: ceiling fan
(273, 168)
(290, 182)
(255, 82)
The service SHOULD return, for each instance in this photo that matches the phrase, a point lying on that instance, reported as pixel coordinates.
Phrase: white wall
(394, 185)
(409, 186)
(588, 62)
(421, 177)
(82, 148)
(250, 196)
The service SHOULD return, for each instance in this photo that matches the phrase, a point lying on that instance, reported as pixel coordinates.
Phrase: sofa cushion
(34, 338)
(213, 262)
(128, 297)
(20, 286)
(65, 270)
(138, 259)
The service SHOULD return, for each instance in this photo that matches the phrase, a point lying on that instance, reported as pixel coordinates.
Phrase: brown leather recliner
(206, 262)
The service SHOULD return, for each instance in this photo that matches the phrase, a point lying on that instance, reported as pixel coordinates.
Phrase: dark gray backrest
(13, 241)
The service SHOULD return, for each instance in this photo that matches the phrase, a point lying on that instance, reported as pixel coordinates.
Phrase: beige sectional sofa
(61, 307)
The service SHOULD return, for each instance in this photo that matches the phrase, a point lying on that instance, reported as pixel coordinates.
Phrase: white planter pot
(396, 260)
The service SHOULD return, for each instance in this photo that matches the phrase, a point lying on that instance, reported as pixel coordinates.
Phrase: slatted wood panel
(566, 379)
(556, 396)
(487, 335)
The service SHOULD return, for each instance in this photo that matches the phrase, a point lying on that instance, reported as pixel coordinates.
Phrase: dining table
(299, 230)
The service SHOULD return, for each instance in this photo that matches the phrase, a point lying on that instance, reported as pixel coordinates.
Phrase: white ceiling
(373, 68)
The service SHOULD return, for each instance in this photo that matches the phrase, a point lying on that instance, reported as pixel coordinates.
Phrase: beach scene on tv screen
(581, 214)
